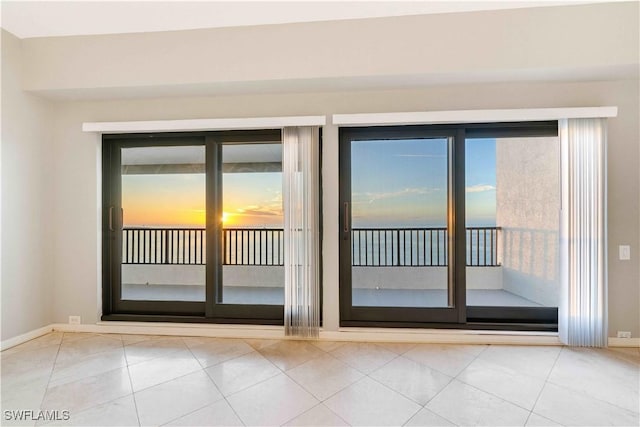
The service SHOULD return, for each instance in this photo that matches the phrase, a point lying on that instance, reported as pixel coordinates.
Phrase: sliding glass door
(193, 226)
(451, 225)
(398, 237)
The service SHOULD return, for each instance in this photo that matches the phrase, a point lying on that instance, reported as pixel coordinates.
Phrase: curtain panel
(300, 163)
(582, 314)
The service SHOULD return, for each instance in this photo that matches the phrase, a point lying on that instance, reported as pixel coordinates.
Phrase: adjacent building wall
(27, 282)
(528, 211)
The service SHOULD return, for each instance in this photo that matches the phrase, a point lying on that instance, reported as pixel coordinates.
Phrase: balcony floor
(361, 297)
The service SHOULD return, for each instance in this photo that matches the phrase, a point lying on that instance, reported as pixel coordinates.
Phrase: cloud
(372, 197)
(258, 212)
(479, 188)
(429, 156)
(271, 209)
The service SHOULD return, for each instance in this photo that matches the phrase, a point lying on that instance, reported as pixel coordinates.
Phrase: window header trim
(471, 116)
(203, 124)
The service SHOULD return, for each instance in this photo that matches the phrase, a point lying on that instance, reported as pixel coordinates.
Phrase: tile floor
(192, 381)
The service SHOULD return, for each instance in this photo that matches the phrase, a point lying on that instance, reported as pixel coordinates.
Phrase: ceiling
(27, 19)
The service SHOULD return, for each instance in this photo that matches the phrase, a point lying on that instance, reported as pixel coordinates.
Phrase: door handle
(346, 220)
(110, 218)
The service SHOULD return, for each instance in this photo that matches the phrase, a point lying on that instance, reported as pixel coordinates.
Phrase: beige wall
(77, 173)
(572, 42)
(58, 206)
(26, 279)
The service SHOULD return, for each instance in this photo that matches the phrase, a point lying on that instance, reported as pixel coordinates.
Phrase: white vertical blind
(301, 231)
(583, 305)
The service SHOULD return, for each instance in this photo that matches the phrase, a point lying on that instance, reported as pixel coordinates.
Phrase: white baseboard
(432, 336)
(442, 336)
(439, 336)
(27, 336)
(624, 342)
(178, 329)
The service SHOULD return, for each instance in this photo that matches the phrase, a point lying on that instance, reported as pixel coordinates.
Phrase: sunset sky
(249, 200)
(411, 191)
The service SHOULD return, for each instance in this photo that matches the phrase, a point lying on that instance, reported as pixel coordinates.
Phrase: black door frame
(355, 316)
(211, 310)
(474, 317)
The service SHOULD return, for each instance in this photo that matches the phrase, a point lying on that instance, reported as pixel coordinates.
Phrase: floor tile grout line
(85, 356)
(83, 378)
(495, 395)
(420, 406)
(174, 350)
(70, 377)
(7, 352)
(204, 370)
(436, 395)
(104, 403)
(433, 412)
(310, 409)
(470, 362)
(365, 375)
(204, 406)
(546, 380)
(452, 378)
(337, 392)
(309, 391)
(375, 369)
(300, 364)
(402, 394)
(188, 413)
(590, 396)
(222, 361)
(163, 382)
(502, 398)
(496, 367)
(133, 393)
(249, 386)
(53, 365)
(445, 373)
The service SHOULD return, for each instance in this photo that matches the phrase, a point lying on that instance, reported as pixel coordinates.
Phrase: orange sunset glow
(178, 200)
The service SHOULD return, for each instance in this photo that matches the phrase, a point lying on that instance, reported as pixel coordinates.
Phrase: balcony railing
(420, 247)
(370, 247)
(141, 245)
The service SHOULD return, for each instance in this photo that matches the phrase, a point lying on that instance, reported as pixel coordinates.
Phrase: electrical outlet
(624, 252)
(74, 320)
(624, 334)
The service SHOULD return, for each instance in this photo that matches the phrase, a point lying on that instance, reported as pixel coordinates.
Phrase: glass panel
(399, 197)
(163, 236)
(253, 224)
(512, 220)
